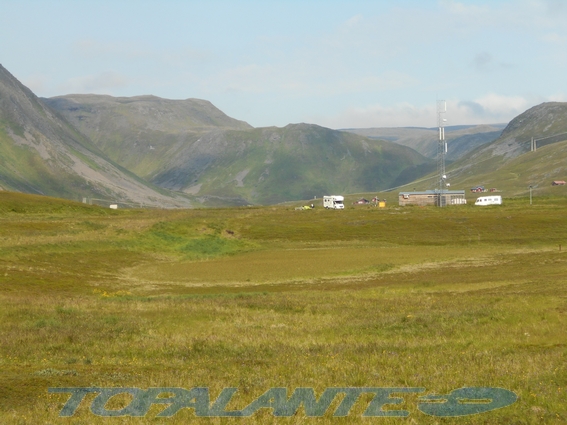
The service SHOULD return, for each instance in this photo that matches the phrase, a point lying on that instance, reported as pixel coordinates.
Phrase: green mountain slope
(299, 161)
(192, 147)
(142, 133)
(546, 122)
(537, 169)
(508, 164)
(40, 152)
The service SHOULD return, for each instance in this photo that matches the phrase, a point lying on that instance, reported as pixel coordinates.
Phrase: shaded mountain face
(192, 147)
(40, 152)
(299, 161)
(142, 133)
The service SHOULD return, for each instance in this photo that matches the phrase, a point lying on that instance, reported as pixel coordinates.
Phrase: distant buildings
(432, 197)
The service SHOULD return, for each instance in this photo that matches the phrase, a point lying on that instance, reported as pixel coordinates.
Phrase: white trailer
(335, 202)
(489, 200)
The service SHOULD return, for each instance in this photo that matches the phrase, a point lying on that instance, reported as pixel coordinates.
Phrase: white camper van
(335, 202)
(489, 200)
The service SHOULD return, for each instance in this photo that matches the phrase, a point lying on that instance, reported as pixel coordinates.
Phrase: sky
(338, 64)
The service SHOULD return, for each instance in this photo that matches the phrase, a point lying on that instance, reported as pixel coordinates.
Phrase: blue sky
(338, 64)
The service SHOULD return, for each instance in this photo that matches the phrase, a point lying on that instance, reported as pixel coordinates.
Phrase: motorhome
(335, 202)
(489, 200)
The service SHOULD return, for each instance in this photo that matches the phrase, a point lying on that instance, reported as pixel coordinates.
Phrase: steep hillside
(537, 169)
(191, 146)
(461, 139)
(508, 164)
(142, 133)
(40, 152)
(546, 123)
(299, 161)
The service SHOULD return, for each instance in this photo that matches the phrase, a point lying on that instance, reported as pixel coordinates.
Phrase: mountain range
(190, 146)
(149, 151)
(461, 138)
(171, 153)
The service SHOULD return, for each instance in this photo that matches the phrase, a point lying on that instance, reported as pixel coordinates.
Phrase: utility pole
(441, 149)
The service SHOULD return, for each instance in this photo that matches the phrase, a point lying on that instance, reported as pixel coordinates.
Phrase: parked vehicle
(335, 202)
(361, 201)
(489, 200)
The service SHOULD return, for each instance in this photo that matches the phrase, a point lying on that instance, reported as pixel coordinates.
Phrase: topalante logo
(459, 402)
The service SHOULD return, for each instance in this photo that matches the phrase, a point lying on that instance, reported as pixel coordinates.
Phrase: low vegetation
(255, 298)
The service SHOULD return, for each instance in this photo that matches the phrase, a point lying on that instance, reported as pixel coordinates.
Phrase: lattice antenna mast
(441, 149)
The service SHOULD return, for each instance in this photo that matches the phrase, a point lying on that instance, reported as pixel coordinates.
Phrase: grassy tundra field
(255, 298)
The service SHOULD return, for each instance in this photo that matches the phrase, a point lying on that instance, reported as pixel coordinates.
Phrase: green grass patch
(256, 298)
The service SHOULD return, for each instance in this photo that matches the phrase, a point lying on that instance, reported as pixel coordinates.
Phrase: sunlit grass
(418, 297)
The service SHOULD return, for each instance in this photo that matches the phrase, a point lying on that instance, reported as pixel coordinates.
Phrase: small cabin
(558, 182)
(361, 201)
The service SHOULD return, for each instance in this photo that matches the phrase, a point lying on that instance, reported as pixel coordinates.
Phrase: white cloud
(95, 50)
(103, 83)
(371, 83)
(250, 78)
(488, 109)
(559, 97)
(523, 16)
(555, 38)
(470, 11)
(498, 105)
(354, 21)
(399, 115)
(361, 64)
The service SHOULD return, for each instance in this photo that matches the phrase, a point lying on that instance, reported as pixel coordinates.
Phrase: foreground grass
(271, 297)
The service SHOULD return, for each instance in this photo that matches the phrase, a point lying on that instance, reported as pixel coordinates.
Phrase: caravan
(334, 202)
(489, 200)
